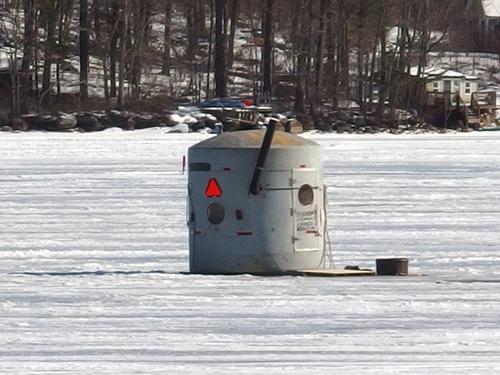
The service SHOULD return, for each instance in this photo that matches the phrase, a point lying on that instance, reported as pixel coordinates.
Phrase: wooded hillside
(302, 54)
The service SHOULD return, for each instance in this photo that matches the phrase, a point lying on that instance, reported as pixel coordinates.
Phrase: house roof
(491, 8)
(439, 73)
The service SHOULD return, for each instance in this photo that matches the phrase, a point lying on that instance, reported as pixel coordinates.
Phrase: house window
(435, 86)
(456, 85)
(467, 88)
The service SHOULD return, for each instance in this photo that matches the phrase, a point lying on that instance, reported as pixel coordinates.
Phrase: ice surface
(93, 237)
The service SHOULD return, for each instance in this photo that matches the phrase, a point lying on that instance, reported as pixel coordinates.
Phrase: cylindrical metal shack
(281, 228)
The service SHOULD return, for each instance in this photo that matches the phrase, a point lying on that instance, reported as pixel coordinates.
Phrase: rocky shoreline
(192, 119)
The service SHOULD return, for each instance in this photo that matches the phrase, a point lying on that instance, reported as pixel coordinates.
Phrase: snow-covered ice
(93, 237)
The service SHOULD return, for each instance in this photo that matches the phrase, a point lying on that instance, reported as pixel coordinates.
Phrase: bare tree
(328, 50)
(49, 13)
(267, 60)
(28, 52)
(123, 53)
(220, 54)
(300, 41)
(166, 62)
(84, 49)
(232, 32)
(318, 65)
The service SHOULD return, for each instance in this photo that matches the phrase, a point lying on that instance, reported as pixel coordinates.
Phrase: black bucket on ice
(392, 267)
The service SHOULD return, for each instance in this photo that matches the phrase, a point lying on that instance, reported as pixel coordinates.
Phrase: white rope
(326, 235)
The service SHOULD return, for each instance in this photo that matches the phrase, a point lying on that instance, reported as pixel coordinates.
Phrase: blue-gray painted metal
(267, 233)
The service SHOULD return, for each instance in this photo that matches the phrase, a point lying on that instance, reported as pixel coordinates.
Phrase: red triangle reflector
(213, 189)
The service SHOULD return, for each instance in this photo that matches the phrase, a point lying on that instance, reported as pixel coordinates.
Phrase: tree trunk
(199, 18)
(318, 64)
(210, 46)
(331, 56)
(343, 51)
(29, 39)
(232, 32)
(191, 27)
(113, 46)
(300, 72)
(101, 50)
(380, 27)
(361, 31)
(383, 65)
(220, 55)
(123, 54)
(60, 43)
(308, 50)
(140, 31)
(267, 60)
(51, 18)
(84, 50)
(166, 62)
(423, 50)
(36, 60)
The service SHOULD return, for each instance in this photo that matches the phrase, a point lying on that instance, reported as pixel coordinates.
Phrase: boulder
(205, 131)
(165, 117)
(119, 119)
(338, 116)
(65, 121)
(180, 128)
(295, 126)
(342, 127)
(59, 122)
(44, 122)
(88, 122)
(130, 125)
(230, 125)
(210, 120)
(198, 125)
(371, 120)
(183, 119)
(28, 119)
(306, 121)
(20, 124)
(145, 121)
(4, 119)
(429, 128)
(359, 121)
(280, 126)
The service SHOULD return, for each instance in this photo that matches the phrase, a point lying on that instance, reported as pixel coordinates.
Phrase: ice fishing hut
(256, 203)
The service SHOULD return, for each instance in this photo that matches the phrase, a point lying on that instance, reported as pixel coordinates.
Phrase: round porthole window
(306, 195)
(216, 213)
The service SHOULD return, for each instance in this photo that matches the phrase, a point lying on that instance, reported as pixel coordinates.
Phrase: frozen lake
(93, 237)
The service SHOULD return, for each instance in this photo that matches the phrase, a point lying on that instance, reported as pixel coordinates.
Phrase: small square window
(467, 88)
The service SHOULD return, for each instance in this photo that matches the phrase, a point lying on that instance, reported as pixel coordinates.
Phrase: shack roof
(253, 139)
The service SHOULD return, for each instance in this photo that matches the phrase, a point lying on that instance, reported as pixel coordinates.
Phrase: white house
(449, 81)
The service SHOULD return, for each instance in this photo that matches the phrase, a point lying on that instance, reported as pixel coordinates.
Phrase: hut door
(306, 220)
